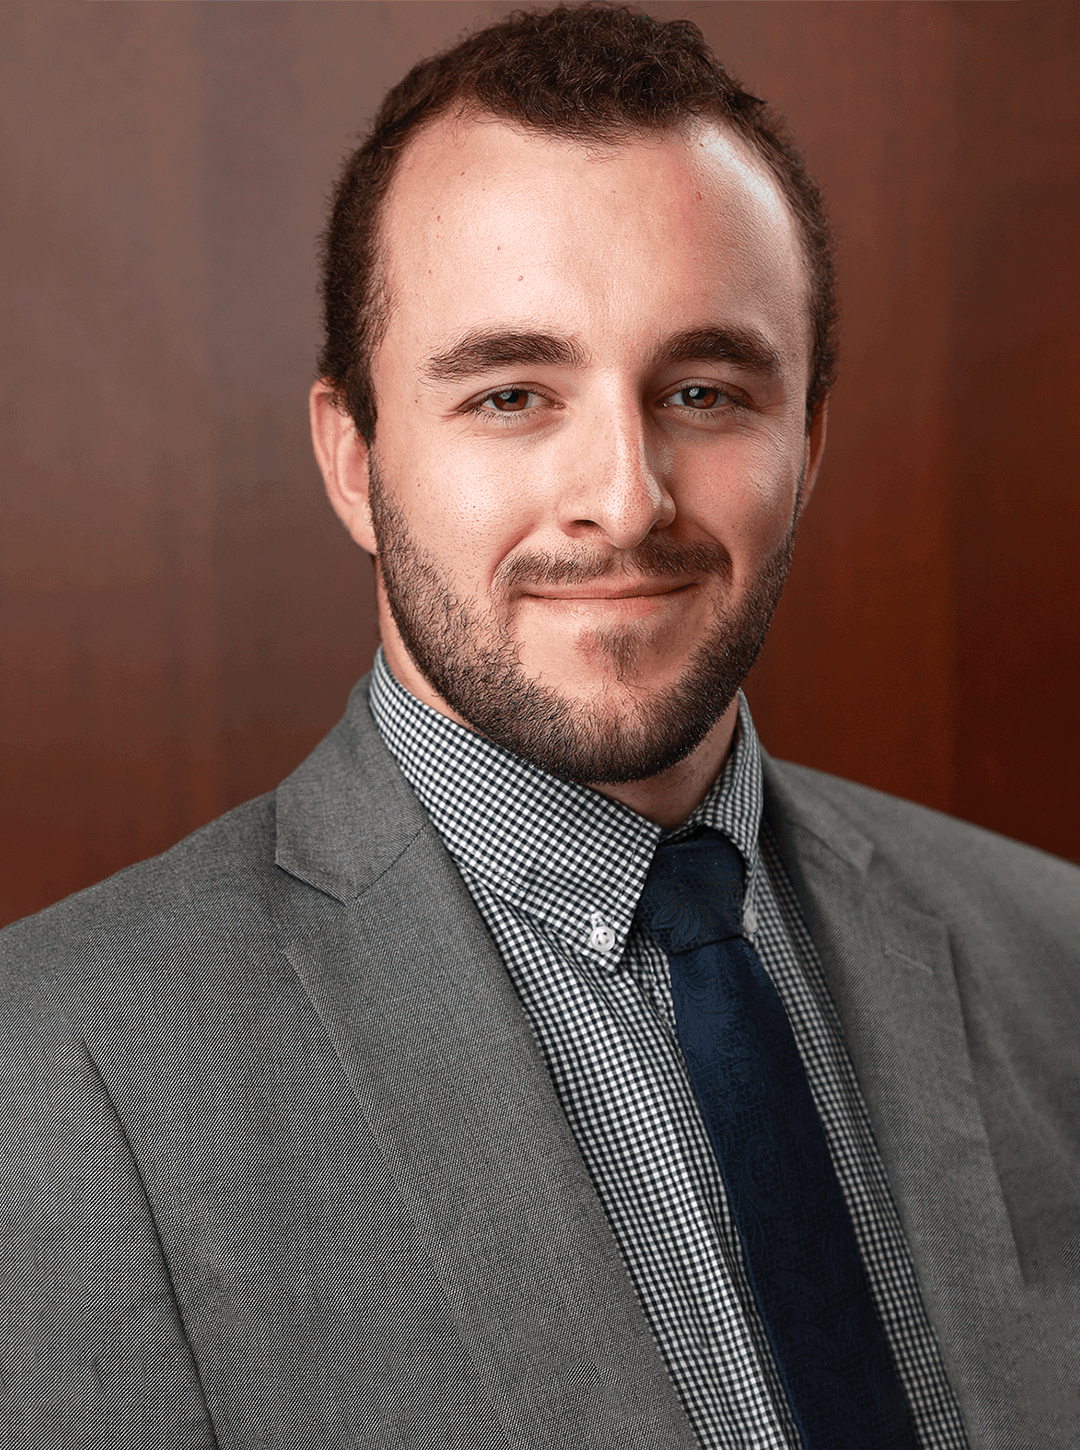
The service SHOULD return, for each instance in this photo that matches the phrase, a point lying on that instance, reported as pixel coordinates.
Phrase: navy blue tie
(801, 1256)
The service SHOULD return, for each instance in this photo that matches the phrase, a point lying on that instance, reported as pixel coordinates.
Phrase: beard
(470, 658)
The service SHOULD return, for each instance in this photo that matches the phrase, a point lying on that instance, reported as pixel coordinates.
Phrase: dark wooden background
(183, 617)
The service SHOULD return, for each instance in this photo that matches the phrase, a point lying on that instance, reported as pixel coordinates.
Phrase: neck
(665, 799)
(668, 798)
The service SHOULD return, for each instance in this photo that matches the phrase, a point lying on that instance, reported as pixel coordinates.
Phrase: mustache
(657, 558)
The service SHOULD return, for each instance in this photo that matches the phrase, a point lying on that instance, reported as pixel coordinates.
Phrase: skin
(576, 454)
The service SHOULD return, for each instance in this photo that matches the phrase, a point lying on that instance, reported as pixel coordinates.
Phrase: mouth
(600, 593)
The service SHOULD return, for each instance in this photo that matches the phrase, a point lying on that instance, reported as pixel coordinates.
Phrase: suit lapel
(434, 1042)
(890, 972)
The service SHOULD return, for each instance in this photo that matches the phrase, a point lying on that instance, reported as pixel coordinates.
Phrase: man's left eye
(697, 396)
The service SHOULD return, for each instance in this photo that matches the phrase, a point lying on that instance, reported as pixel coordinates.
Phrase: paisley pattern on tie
(802, 1258)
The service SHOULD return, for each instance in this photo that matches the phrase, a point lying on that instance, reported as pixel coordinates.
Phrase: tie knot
(693, 894)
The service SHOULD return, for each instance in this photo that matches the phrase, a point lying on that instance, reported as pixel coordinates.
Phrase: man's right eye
(507, 400)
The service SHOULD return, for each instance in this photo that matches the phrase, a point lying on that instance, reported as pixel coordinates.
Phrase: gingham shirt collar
(561, 853)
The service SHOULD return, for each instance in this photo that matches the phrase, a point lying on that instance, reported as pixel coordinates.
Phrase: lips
(643, 589)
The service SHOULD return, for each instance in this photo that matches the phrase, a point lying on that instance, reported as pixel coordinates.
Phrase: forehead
(490, 224)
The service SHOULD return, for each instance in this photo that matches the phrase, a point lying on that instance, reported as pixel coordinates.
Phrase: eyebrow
(746, 348)
(482, 352)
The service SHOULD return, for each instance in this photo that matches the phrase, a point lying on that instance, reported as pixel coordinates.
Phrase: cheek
(748, 502)
(481, 522)
(469, 516)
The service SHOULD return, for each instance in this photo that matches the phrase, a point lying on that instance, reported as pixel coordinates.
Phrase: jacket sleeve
(92, 1346)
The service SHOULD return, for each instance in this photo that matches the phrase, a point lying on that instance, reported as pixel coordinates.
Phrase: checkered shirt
(556, 871)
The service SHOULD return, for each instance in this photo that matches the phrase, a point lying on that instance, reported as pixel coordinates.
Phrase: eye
(508, 400)
(698, 396)
(504, 406)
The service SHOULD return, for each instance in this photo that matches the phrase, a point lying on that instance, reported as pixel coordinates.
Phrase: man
(380, 1112)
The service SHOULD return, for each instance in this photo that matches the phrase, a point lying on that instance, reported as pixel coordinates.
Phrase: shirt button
(601, 938)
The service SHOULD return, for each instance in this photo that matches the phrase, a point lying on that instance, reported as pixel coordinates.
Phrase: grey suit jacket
(283, 1165)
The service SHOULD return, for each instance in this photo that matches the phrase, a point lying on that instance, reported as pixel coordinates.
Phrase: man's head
(592, 351)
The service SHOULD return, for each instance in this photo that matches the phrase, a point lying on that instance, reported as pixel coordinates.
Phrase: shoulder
(215, 913)
(326, 831)
(947, 865)
(220, 870)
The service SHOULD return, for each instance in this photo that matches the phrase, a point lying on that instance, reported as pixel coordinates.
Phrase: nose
(616, 482)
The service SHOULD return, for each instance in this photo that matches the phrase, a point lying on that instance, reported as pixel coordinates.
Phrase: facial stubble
(472, 661)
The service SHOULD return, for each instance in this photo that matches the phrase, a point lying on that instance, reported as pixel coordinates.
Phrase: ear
(815, 448)
(342, 456)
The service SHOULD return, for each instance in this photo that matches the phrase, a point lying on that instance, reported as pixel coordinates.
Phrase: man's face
(591, 441)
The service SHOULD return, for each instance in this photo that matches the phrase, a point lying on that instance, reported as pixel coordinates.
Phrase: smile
(597, 593)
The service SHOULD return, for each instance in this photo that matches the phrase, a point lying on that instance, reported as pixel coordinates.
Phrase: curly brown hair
(592, 73)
